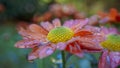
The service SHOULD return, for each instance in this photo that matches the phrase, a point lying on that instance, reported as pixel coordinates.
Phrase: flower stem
(63, 59)
(40, 63)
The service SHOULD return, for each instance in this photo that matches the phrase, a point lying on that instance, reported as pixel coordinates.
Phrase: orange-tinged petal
(38, 29)
(37, 36)
(91, 42)
(22, 28)
(74, 47)
(83, 33)
(90, 47)
(102, 14)
(29, 33)
(23, 32)
(113, 13)
(22, 24)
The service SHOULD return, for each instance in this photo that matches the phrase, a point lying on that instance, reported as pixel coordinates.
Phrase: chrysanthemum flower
(110, 57)
(74, 36)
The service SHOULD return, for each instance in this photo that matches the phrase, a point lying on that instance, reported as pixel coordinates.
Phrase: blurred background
(36, 11)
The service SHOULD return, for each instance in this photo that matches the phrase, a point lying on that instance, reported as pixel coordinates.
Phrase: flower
(110, 57)
(74, 36)
(112, 16)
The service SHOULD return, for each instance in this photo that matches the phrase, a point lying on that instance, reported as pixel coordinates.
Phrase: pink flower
(110, 57)
(73, 36)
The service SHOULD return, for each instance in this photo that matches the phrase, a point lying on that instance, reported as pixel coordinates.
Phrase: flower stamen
(60, 34)
(112, 43)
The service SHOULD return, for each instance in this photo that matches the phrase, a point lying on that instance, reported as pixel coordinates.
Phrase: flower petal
(45, 51)
(74, 47)
(83, 33)
(114, 59)
(104, 61)
(37, 29)
(92, 29)
(91, 42)
(107, 31)
(42, 51)
(27, 43)
(76, 24)
(34, 54)
(23, 29)
(80, 24)
(47, 25)
(61, 46)
(56, 23)
(112, 14)
(26, 33)
(69, 23)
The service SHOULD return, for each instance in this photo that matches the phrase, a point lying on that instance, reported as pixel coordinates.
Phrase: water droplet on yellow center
(112, 43)
(60, 34)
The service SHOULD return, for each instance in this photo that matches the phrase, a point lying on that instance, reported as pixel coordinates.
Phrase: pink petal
(56, 22)
(104, 61)
(114, 59)
(104, 20)
(27, 43)
(47, 25)
(69, 23)
(76, 24)
(32, 57)
(45, 51)
(107, 31)
(109, 59)
(42, 51)
(92, 29)
(93, 20)
(80, 25)
(61, 46)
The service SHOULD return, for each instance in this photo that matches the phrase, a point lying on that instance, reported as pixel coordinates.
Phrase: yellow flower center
(60, 34)
(112, 43)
